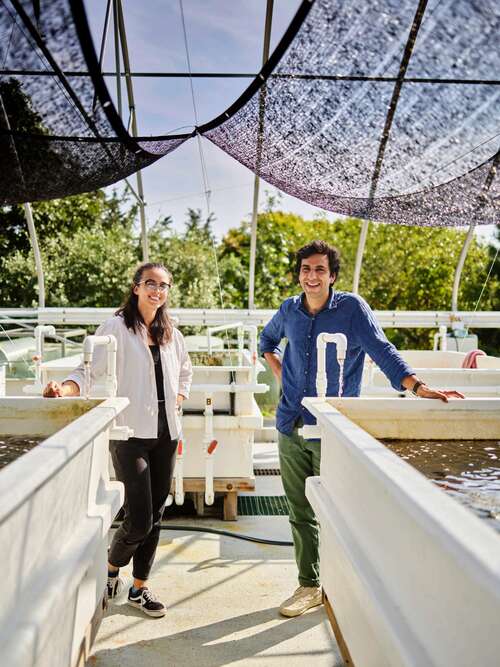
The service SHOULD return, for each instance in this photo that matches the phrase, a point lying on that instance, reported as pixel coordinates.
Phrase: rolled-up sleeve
(186, 370)
(374, 342)
(272, 334)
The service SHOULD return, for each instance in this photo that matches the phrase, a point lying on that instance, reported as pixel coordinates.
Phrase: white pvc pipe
(40, 330)
(209, 448)
(179, 474)
(230, 388)
(109, 341)
(440, 340)
(323, 339)
(252, 330)
(220, 327)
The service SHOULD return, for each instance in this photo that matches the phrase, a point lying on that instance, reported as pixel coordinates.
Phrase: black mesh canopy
(58, 135)
(381, 109)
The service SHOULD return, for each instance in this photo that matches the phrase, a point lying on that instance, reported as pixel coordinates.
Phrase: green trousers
(299, 459)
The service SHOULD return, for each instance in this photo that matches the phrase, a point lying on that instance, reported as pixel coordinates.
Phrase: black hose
(226, 533)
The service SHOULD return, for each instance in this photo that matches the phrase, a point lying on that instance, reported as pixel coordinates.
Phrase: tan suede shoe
(303, 599)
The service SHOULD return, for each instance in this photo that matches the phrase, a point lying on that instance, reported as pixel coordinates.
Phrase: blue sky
(223, 36)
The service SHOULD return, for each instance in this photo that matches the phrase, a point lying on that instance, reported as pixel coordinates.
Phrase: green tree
(88, 251)
(63, 215)
(191, 259)
(405, 268)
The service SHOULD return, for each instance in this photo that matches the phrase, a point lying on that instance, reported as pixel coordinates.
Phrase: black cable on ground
(225, 533)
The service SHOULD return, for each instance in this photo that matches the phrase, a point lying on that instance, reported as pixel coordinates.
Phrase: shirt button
(307, 354)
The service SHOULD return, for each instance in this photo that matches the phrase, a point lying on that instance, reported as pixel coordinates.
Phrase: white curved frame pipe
(28, 213)
(460, 266)
(359, 255)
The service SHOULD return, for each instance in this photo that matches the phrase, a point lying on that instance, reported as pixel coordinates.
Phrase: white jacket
(136, 377)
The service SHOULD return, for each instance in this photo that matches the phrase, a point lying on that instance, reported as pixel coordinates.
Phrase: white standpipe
(321, 379)
(252, 331)
(89, 344)
(179, 474)
(40, 331)
(209, 446)
(440, 339)
(110, 384)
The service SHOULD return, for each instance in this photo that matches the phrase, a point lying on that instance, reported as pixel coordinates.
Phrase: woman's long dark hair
(161, 327)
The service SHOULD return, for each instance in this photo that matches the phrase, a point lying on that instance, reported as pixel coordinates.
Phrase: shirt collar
(331, 304)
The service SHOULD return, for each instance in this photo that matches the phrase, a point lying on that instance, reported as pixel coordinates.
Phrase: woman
(154, 372)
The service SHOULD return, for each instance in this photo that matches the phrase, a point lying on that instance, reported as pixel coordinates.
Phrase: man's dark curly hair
(319, 248)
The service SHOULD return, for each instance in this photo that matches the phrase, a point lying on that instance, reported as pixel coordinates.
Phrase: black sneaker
(146, 600)
(115, 586)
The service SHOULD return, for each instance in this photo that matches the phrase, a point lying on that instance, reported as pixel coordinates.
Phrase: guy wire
(204, 172)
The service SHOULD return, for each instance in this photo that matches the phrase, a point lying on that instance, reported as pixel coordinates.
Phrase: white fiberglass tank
(56, 507)
(413, 576)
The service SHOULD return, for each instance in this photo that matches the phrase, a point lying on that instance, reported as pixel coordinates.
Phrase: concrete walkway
(222, 596)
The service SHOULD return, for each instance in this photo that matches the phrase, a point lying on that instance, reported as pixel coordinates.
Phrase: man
(300, 320)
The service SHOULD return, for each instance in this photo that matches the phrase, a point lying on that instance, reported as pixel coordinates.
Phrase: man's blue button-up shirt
(343, 313)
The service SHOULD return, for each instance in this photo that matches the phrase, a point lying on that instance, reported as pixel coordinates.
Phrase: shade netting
(381, 109)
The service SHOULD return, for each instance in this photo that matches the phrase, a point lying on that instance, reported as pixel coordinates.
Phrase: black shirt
(155, 353)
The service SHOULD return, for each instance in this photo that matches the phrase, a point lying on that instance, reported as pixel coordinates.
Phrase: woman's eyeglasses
(152, 286)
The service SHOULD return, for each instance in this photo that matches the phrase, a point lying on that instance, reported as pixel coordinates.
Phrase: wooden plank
(344, 651)
(221, 484)
(231, 506)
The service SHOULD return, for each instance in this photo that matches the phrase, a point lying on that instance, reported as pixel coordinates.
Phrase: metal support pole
(116, 29)
(359, 255)
(389, 119)
(36, 252)
(460, 266)
(253, 232)
(133, 125)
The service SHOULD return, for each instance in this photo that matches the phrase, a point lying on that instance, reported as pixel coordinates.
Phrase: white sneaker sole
(155, 614)
(291, 613)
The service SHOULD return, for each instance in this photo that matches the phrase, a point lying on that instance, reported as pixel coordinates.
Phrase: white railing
(213, 317)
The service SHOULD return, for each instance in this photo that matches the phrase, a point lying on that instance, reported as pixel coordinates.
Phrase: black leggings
(145, 466)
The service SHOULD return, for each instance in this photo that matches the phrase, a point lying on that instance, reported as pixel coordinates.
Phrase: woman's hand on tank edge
(52, 390)
(56, 390)
(442, 394)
